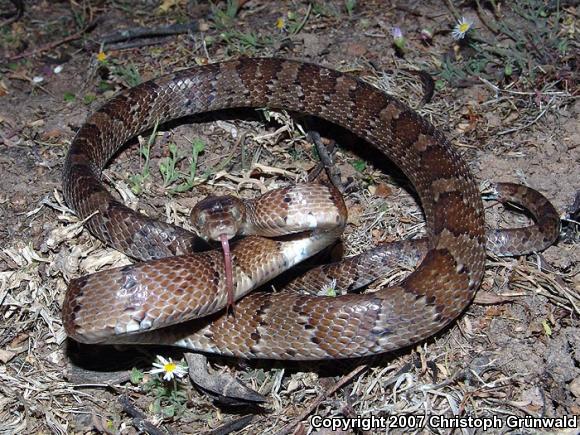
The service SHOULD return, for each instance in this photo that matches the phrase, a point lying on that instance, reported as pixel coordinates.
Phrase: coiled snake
(128, 304)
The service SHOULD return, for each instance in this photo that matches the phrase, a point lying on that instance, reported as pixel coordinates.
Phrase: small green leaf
(359, 165)
(350, 5)
(508, 70)
(155, 406)
(110, 425)
(399, 43)
(68, 97)
(105, 86)
(89, 98)
(183, 187)
(209, 40)
(144, 151)
(547, 328)
(198, 145)
(169, 410)
(563, 46)
(136, 376)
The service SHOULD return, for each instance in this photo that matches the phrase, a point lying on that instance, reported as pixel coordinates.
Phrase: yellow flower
(101, 56)
(462, 27)
(280, 23)
(169, 368)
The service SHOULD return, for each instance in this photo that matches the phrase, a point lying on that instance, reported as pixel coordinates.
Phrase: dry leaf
(6, 355)
(382, 190)
(168, 4)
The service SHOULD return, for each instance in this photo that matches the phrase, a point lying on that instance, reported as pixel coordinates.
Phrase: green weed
(530, 35)
(167, 166)
(326, 9)
(137, 180)
(296, 23)
(359, 165)
(197, 147)
(89, 98)
(128, 74)
(244, 42)
(68, 97)
(250, 42)
(169, 399)
(349, 5)
(223, 19)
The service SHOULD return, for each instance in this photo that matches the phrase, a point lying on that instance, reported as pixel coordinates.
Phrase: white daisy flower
(329, 289)
(463, 26)
(169, 368)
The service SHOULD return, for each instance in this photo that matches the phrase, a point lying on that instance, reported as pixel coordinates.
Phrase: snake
(176, 295)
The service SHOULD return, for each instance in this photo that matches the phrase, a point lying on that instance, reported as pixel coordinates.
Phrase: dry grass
(33, 287)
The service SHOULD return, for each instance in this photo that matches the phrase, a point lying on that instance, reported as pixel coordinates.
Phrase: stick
(144, 32)
(231, 426)
(139, 419)
(326, 161)
(51, 45)
(343, 381)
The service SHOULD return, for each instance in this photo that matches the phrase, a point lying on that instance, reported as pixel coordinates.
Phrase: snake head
(216, 216)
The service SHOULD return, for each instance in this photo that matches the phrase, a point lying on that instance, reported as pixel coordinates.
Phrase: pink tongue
(229, 272)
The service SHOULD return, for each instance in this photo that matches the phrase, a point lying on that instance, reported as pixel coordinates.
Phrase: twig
(343, 381)
(498, 90)
(137, 44)
(326, 161)
(139, 419)
(78, 375)
(231, 426)
(145, 32)
(303, 22)
(51, 45)
(532, 122)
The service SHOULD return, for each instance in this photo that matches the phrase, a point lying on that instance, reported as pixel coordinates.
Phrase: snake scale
(129, 304)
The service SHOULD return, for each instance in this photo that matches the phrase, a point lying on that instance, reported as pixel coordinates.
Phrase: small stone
(355, 49)
(6, 355)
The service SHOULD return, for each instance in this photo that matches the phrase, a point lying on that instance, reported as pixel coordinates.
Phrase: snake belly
(278, 325)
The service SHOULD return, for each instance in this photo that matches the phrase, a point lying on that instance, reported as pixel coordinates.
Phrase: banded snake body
(128, 304)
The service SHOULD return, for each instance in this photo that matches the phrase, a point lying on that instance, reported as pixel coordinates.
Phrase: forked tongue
(229, 272)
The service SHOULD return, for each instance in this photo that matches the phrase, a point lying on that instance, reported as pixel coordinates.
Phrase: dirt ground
(506, 95)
